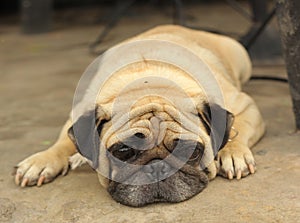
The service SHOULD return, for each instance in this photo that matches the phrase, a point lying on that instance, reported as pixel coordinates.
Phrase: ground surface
(38, 76)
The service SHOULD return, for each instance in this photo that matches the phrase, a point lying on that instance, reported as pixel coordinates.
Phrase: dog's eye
(124, 153)
(188, 154)
(196, 154)
(188, 150)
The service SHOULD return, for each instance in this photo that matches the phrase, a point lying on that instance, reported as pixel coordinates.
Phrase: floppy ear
(85, 134)
(217, 122)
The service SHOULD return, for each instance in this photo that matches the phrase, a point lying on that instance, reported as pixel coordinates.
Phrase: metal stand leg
(259, 10)
(178, 17)
(122, 7)
(256, 30)
(36, 16)
(288, 15)
(260, 19)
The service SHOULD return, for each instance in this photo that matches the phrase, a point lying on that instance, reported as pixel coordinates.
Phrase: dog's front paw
(235, 160)
(40, 168)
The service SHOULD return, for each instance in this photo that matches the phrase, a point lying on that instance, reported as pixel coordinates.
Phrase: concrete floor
(38, 77)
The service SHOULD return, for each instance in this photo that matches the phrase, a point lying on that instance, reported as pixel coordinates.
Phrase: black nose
(158, 170)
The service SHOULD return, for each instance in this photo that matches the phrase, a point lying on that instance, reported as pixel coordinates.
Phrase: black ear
(217, 122)
(85, 134)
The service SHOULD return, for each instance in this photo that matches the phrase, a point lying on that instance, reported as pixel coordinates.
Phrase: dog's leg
(44, 166)
(236, 159)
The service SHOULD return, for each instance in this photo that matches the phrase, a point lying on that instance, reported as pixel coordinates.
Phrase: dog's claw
(18, 178)
(239, 175)
(251, 168)
(24, 182)
(41, 181)
(229, 175)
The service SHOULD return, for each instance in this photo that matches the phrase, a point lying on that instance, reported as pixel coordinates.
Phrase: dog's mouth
(141, 177)
(180, 186)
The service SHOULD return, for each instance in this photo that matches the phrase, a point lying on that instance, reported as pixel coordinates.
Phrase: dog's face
(159, 175)
(152, 157)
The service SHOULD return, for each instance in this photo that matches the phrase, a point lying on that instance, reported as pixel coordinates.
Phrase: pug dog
(155, 130)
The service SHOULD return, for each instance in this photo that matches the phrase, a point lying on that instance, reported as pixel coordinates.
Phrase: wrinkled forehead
(152, 129)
